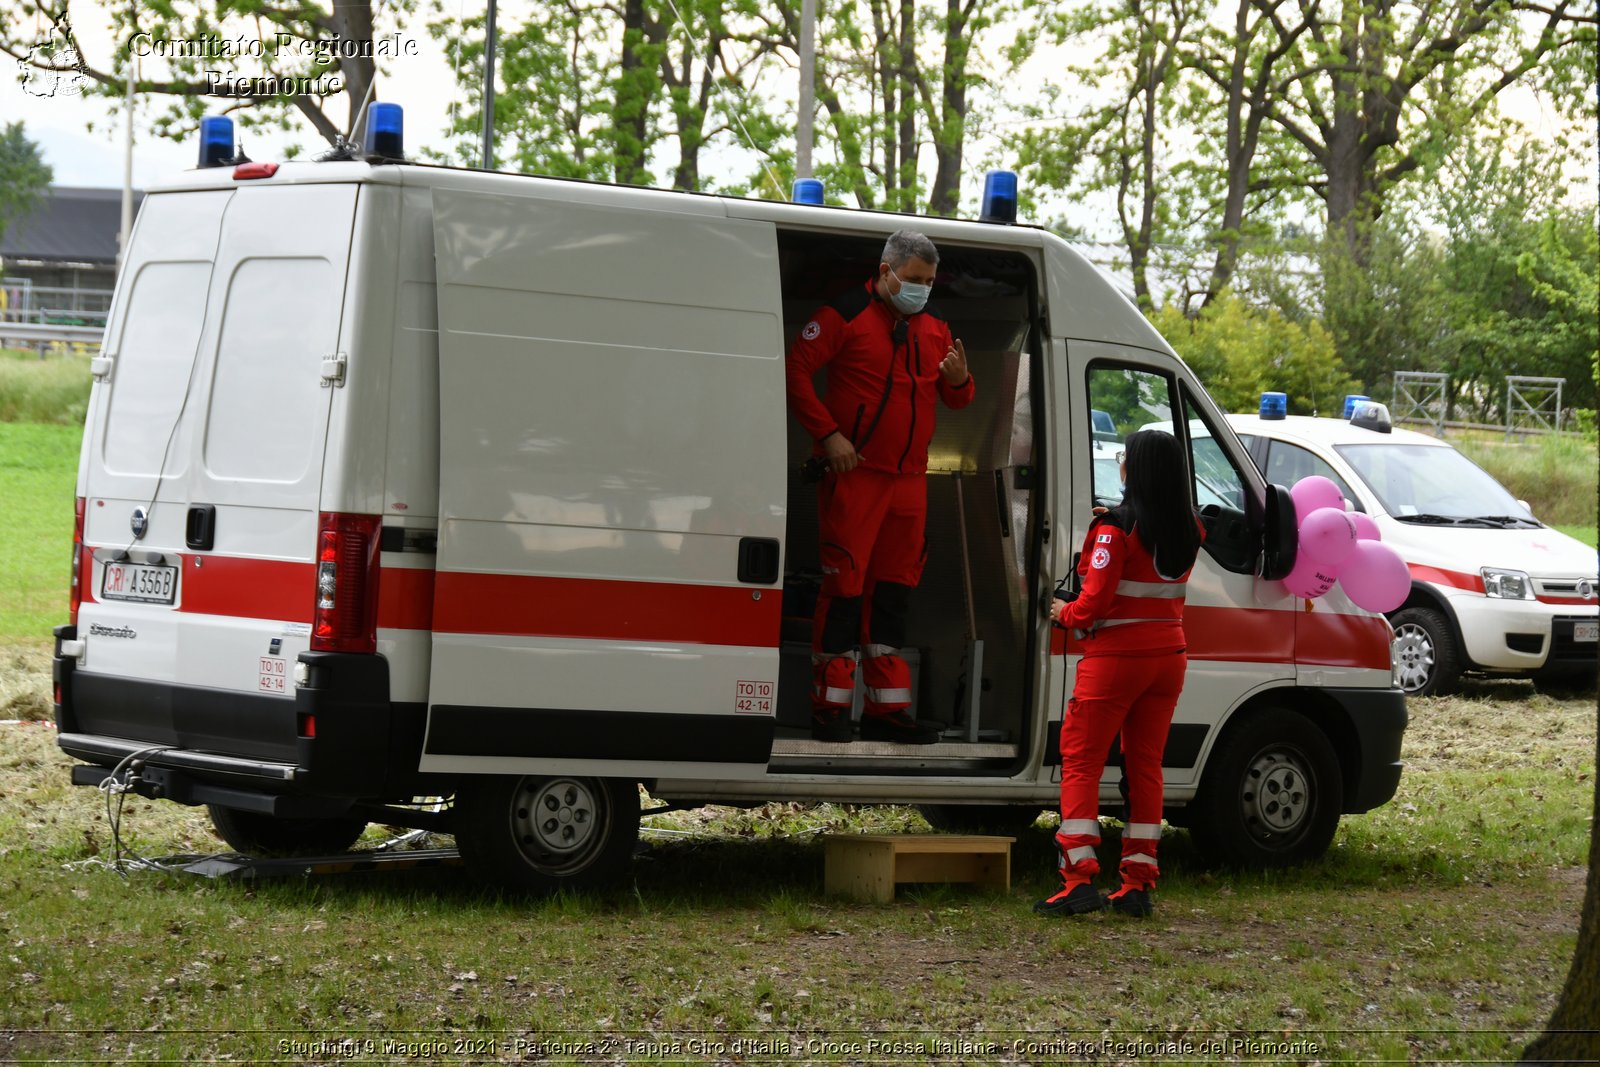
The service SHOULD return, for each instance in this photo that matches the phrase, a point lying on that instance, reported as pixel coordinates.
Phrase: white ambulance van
(1493, 589)
(406, 482)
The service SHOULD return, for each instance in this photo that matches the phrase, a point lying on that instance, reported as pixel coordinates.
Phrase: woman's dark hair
(1157, 500)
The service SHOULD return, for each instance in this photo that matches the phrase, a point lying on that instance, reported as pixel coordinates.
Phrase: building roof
(70, 224)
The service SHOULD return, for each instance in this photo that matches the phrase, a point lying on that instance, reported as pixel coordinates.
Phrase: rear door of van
(612, 485)
(203, 467)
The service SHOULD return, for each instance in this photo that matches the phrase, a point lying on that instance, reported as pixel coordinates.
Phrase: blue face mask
(911, 298)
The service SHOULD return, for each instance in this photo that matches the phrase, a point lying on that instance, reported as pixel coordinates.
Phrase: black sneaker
(831, 725)
(1134, 902)
(897, 726)
(1082, 899)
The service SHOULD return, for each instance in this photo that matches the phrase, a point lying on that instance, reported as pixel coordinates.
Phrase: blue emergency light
(1350, 402)
(386, 128)
(216, 141)
(999, 197)
(1274, 406)
(807, 191)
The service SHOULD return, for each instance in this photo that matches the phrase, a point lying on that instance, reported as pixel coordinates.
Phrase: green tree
(265, 90)
(588, 89)
(1117, 141)
(24, 175)
(895, 79)
(1240, 352)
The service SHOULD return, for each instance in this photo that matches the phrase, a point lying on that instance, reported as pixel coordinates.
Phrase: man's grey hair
(906, 244)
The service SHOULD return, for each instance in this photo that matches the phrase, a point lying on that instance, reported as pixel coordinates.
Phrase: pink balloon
(1375, 577)
(1313, 492)
(1310, 579)
(1366, 529)
(1327, 535)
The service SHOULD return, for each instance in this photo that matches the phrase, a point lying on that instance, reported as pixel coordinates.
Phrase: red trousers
(872, 528)
(1135, 695)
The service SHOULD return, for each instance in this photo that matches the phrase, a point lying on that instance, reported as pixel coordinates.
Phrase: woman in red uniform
(1128, 616)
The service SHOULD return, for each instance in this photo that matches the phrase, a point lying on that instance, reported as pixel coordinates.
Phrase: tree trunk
(1240, 154)
(950, 131)
(630, 112)
(1573, 1033)
(906, 178)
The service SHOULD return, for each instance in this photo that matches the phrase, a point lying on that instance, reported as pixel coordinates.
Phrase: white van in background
(1493, 589)
(411, 482)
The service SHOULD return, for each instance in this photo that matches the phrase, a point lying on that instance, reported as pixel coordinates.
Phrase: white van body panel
(621, 498)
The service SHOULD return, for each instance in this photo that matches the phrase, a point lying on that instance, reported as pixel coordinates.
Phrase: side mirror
(1279, 539)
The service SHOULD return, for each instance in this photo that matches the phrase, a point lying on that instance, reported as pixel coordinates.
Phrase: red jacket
(853, 338)
(1125, 604)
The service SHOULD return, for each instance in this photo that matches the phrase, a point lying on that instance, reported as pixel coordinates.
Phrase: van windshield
(1434, 484)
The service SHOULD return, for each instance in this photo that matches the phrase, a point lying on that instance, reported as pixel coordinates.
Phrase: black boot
(1081, 899)
(1134, 902)
(897, 726)
(831, 724)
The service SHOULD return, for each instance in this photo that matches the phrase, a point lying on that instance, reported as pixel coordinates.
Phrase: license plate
(145, 582)
(1586, 631)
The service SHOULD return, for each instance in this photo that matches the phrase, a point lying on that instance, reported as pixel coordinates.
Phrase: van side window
(1287, 464)
(1219, 494)
(1121, 400)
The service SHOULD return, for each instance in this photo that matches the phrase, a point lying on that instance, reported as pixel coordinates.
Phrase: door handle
(200, 532)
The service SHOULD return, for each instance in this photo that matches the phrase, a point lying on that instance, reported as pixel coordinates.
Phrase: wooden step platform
(868, 866)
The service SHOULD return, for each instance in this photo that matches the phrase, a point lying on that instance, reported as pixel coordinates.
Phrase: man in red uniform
(889, 358)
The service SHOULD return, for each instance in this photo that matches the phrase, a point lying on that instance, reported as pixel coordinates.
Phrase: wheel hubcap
(558, 823)
(1276, 794)
(1413, 653)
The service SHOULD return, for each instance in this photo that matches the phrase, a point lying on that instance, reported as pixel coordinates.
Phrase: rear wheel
(1271, 793)
(538, 834)
(1426, 653)
(255, 834)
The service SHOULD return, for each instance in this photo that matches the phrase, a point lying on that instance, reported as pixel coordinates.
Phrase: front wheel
(1271, 793)
(538, 834)
(1426, 653)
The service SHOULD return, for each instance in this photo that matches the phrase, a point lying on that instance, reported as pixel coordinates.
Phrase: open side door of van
(611, 507)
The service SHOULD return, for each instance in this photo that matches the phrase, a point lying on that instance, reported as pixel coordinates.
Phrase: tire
(1271, 793)
(980, 818)
(1426, 651)
(537, 834)
(255, 834)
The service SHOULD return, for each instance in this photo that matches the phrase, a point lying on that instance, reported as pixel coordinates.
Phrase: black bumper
(1378, 718)
(364, 747)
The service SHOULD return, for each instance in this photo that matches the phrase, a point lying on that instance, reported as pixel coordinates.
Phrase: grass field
(1438, 927)
(53, 390)
(38, 466)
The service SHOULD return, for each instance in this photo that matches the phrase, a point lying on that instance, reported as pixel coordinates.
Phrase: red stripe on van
(405, 598)
(1454, 579)
(1329, 639)
(606, 610)
(1261, 635)
(248, 588)
(1577, 600)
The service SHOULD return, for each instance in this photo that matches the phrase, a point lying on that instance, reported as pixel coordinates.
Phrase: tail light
(346, 615)
(75, 600)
